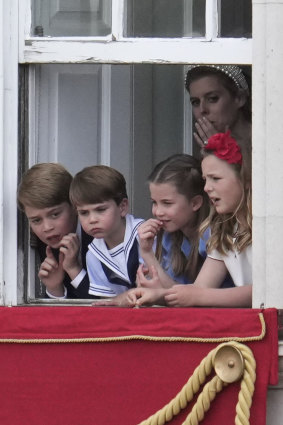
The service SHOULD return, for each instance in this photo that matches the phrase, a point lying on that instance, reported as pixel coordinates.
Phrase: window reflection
(236, 18)
(70, 18)
(165, 18)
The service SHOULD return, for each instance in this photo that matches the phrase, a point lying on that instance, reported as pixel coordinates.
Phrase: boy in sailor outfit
(100, 198)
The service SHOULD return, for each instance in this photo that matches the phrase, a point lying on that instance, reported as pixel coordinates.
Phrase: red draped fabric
(111, 366)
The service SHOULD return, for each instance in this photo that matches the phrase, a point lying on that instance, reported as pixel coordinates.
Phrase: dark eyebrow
(206, 94)
(95, 206)
(212, 92)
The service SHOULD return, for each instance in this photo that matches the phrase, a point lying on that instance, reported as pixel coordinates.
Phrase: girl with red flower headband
(226, 168)
(221, 100)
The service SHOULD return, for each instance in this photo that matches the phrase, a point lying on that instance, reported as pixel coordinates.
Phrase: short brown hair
(44, 185)
(98, 183)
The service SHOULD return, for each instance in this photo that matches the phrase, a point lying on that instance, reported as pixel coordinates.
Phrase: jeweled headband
(225, 147)
(232, 71)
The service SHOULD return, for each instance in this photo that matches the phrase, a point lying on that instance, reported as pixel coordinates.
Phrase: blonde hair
(224, 234)
(184, 172)
(44, 185)
(97, 183)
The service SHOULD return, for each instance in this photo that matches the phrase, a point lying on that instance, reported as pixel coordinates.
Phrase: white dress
(238, 264)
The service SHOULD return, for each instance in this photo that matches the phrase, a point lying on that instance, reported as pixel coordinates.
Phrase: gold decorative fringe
(137, 337)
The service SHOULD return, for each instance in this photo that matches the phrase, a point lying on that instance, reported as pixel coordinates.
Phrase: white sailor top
(112, 272)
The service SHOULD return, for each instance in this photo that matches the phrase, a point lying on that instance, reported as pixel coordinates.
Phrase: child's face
(104, 220)
(210, 99)
(222, 184)
(172, 208)
(51, 224)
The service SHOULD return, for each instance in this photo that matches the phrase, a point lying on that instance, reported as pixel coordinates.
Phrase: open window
(104, 84)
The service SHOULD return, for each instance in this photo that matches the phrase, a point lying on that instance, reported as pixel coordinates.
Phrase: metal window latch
(38, 31)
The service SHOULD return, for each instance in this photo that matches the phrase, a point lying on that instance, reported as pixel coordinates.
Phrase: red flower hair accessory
(225, 147)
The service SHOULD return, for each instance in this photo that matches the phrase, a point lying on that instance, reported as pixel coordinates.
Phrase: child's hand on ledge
(135, 297)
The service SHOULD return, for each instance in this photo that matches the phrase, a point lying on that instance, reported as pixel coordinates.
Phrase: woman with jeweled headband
(220, 98)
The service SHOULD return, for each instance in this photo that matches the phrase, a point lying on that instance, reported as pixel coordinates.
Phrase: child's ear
(197, 202)
(124, 207)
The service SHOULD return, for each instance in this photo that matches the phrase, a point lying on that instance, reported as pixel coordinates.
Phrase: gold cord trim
(137, 337)
(209, 391)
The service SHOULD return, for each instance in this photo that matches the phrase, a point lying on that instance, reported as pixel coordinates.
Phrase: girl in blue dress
(170, 242)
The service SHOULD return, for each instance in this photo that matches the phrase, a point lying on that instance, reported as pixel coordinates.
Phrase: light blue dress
(186, 249)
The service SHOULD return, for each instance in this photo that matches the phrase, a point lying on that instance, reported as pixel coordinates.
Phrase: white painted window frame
(267, 154)
(118, 49)
(8, 151)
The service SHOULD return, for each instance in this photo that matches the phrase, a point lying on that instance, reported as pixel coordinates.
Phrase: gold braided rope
(258, 337)
(209, 391)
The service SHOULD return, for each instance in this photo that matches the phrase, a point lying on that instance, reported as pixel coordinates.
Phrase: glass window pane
(117, 114)
(236, 18)
(165, 18)
(135, 112)
(70, 18)
(127, 116)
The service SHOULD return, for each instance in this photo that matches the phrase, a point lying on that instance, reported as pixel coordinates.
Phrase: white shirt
(238, 264)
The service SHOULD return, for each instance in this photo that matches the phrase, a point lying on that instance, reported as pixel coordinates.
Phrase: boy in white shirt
(99, 195)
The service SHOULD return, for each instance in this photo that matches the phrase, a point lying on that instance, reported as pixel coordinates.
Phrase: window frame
(9, 154)
(115, 48)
